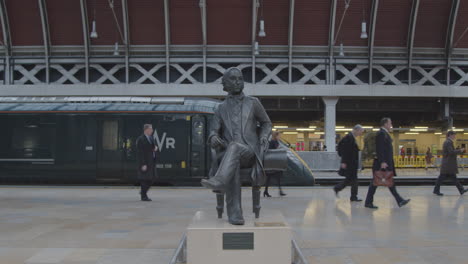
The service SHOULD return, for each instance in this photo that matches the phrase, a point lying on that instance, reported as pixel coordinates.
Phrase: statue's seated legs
(227, 178)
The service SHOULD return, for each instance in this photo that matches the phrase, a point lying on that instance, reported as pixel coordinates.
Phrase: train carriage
(89, 140)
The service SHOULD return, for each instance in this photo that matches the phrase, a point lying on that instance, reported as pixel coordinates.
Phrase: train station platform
(405, 175)
(87, 225)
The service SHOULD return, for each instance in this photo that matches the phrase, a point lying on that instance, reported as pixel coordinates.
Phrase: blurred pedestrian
(274, 144)
(348, 150)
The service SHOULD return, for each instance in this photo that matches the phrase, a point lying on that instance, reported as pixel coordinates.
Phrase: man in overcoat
(146, 160)
(449, 166)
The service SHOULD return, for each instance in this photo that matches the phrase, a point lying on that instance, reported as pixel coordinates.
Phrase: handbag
(383, 178)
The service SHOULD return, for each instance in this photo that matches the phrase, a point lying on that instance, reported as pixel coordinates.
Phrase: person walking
(449, 167)
(274, 144)
(428, 158)
(146, 160)
(348, 150)
(384, 161)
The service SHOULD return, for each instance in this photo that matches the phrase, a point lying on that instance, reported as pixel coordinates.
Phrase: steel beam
(86, 41)
(168, 40)
(449, 39)
(372, 25)
(290, 38)
(411, 30)
(45, 36)
(331, 43)
(6, 41)
(255, 5)
(204, 35)
(126, 39)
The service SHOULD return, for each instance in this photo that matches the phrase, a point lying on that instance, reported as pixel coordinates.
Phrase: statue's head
(233, 81)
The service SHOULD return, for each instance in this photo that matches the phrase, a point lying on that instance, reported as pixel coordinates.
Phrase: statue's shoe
(212, 184)
(239, 221)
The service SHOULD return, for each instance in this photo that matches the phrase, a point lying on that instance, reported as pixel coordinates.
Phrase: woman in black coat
(274, 144)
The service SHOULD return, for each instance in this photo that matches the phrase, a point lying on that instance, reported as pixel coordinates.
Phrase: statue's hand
(216, 142)
(264, 144)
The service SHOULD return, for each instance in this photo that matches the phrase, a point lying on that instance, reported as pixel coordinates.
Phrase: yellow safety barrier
(406, 161)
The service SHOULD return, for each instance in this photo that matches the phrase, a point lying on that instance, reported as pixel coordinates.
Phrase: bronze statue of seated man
(240, 129)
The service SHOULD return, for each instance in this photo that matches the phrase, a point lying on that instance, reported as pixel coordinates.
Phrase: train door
(198, 155)
(110, 152)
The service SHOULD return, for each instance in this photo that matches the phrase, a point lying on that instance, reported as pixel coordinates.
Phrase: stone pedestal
(263, 240)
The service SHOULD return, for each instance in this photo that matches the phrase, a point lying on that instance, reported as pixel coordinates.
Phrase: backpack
(369, 150)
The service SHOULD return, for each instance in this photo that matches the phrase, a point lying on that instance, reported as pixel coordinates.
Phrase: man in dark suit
(146, 159)
(240, 129)
(449, 167)
(349, 153)
(384, 161)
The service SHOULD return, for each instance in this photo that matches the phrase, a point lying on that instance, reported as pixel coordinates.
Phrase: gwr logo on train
(164, 141)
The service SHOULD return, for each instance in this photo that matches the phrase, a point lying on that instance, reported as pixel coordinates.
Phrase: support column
(330, 122)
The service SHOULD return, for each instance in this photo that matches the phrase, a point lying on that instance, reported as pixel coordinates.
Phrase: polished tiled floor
(431, 173)
(87, 225)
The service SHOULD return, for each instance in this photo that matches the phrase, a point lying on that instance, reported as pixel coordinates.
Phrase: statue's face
(233, 82)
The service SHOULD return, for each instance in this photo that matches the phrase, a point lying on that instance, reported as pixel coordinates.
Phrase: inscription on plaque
(238, 241)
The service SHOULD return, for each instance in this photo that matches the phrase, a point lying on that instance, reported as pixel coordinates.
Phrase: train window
(110, 137)
(33, 140)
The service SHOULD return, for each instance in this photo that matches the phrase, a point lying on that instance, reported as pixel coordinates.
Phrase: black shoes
(146, 199)
(356, 200)
(266, 194)
(336, 192)
(402, 203)
(212, 184)
(438, 193)
(371, 206)
(281, 193)
(464, 191)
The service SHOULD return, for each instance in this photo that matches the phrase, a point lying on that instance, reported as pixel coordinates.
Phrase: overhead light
(305, 129)
(344, 129)
(256, 48)
(312, 127)
(290, 133)
(367, 127)
(116, 49)
(341, 50)
(93, 31)
(262, 33)
(319, 133)
(273, 129)
(418, 129)
(375, 129)
(458, 130)
(339, 127)
(421, 127)
(280, 126)
(363, 30)
(411, 133)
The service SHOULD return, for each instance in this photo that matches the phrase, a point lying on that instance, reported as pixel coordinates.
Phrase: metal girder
(290, 38)
(411, 30)
(372, 25)
(255, 5)
(86, 41)
(6, 40)
(204, 35)
(168, 39)
(45, 36)
(449, 39)
(331, 42)
(126, 38)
